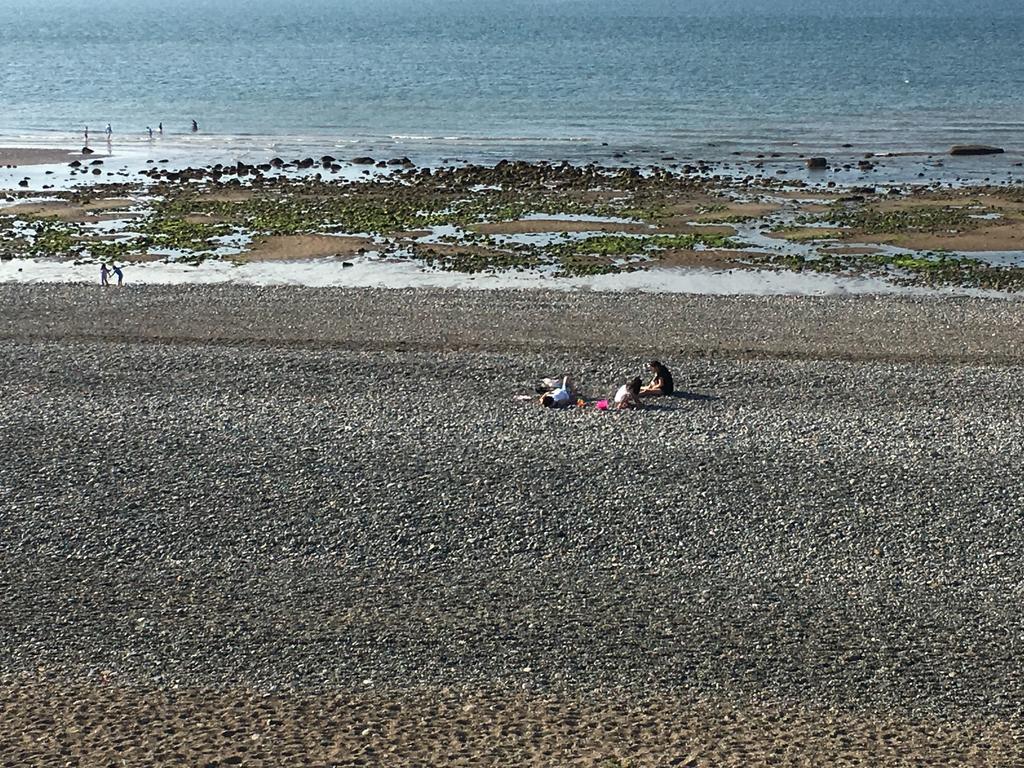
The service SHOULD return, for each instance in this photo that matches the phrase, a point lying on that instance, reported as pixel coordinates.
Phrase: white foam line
(371, 272)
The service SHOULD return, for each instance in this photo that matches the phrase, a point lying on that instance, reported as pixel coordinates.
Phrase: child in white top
(560, 396)
(628, 395)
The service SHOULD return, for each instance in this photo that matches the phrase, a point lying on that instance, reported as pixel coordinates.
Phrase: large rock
(363, 161)
(975, 149)
(817, 163)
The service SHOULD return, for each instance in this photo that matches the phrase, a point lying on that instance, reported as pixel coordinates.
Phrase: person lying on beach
(628, 395)
(559, 397)
(661, 384)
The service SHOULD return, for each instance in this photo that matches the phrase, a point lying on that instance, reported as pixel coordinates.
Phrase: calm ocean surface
(517, 77)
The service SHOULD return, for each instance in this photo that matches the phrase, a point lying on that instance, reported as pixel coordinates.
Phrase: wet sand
(38, 156)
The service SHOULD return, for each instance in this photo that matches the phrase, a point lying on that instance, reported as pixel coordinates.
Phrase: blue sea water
(528, 78)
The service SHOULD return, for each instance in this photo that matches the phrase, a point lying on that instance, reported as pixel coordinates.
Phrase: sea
(482, 80)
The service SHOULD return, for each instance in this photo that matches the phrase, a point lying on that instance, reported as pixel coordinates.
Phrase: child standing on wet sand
(118, 274)
(104, 275)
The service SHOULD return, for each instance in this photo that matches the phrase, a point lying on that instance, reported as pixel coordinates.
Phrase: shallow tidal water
(567, 79)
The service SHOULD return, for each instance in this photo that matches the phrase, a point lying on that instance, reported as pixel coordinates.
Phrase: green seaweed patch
(112, 250)
(179, 234)
(386, 207)
(796, 262)
(373, 212)
(942, 269)
(52, 237)
(472, 261)
(48, 237)
(597, 255)
(928, 268)
(713, 208)
(919, 219)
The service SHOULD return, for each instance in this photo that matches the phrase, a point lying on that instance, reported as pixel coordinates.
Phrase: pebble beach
(294, 526)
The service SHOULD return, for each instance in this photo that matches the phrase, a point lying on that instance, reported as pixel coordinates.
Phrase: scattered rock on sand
(975, 149)
(817, 163)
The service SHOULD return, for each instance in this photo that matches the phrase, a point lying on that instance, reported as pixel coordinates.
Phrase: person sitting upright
(661, 384)
(628, 395)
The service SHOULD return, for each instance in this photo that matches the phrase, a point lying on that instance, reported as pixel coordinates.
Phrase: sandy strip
(35, 156)
(103, 723)
(66, 210)
(1008, 238)
(303, 247)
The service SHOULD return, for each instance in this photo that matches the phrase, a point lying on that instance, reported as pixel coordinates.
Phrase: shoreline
(890, 165)
(15, 157)
(363, 272)
(680, 227)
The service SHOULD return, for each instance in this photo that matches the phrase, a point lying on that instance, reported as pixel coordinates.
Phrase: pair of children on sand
(106, 272)
(629, 395)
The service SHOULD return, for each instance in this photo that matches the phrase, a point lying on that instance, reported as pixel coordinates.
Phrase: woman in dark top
(661, 384)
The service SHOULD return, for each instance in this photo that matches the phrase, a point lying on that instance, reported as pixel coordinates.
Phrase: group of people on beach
(560, 394)
(109, 132)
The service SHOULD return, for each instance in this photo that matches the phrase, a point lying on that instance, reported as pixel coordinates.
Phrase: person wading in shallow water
(661, 384)
(195, 126)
